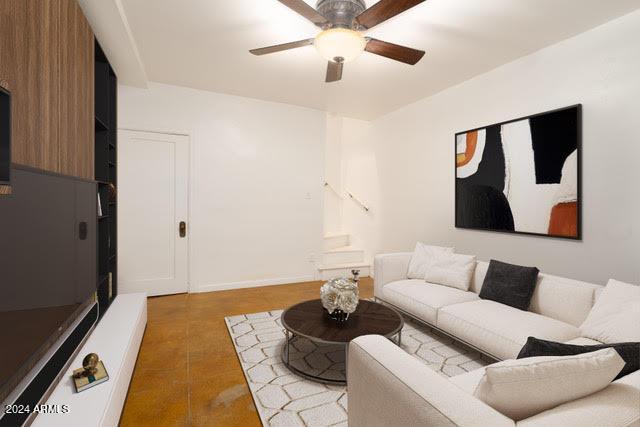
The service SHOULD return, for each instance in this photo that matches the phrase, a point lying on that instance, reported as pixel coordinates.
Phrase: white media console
(116, 339)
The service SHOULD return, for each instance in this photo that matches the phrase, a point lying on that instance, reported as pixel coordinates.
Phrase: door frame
(190, 193)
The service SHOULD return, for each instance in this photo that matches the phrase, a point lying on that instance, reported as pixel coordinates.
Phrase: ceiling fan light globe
(340, 43)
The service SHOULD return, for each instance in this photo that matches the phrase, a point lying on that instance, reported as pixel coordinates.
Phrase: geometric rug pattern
(285, 399)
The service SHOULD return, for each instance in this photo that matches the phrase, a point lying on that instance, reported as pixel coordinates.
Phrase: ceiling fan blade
(281, 47)
(383, 10)
(334, 71)
(302, 8)
(394, 51)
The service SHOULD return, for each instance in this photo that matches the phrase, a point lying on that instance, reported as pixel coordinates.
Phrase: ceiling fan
(342, 23)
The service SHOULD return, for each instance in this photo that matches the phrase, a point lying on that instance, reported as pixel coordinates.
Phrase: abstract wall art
(522, 176)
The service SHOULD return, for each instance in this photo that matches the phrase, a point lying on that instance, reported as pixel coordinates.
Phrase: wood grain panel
(46, 56)
(29, 62)
(76, 132)
(13, 18)
(36, 142)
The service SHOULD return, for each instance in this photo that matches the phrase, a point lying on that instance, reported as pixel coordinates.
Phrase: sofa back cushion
(452, 270)
(478, 276)
(629, 351)
(510, 284)
(563, 299)
(423, 256)
(616, 314)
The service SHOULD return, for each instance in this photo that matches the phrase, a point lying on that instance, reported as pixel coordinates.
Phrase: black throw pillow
(509, 284)
(629, 351)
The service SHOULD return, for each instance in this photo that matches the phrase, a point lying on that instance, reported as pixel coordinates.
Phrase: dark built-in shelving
(5, 136)
(106, 175)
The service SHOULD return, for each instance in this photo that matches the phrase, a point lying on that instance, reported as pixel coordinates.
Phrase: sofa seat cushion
(422, 299)
(498, 329)
(616, 405)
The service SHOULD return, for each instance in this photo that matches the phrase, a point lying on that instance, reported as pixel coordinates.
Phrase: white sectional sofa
(389, 387)
(558, 308)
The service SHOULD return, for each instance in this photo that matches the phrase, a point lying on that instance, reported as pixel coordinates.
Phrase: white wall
(360, 178)
(350, 168)
(414, 149)
(333, 202)
(256, 181)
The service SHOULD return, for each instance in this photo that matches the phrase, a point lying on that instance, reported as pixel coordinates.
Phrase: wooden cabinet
(29, 63)
(76, 92)
(46, 58)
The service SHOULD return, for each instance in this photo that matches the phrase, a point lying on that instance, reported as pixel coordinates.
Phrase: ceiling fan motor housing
(341, 13)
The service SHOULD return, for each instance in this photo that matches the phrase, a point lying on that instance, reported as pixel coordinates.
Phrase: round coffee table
(309, 320)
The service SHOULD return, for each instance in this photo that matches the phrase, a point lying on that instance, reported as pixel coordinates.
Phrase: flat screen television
(5, 135)
(47, 270)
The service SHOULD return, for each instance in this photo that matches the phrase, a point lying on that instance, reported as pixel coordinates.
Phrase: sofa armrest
(387, 386)
(389, 268)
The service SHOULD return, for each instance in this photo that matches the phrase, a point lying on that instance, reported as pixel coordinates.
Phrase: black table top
(311, 320)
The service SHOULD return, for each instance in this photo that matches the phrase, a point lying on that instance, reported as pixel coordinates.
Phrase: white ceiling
(204, 44)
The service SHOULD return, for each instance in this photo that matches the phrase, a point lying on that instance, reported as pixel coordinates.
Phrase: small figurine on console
(92, 373)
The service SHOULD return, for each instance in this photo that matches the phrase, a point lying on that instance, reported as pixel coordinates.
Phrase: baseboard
(252, 284)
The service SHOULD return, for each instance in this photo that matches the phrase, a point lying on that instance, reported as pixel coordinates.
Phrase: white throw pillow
(615, 317)
(423, 256)
(453, 270)
(521, 388)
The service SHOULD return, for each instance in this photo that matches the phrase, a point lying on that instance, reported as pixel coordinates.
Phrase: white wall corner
(333, 192)
(109, 23)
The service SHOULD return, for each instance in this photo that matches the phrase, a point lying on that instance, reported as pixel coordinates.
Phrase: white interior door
(153, 191)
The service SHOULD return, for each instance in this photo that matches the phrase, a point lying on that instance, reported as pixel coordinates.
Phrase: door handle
(182, 228)
(82, 230)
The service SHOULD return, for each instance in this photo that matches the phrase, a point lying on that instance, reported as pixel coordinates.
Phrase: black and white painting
(522, 176)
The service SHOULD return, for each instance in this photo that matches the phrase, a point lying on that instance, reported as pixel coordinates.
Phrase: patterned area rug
(285, 399)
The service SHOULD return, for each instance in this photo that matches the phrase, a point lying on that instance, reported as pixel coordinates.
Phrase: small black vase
(339, 316)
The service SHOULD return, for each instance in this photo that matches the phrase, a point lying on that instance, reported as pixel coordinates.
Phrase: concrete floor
(187, 372)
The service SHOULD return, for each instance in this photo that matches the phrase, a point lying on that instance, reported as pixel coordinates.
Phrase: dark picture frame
(461, 188)
(5, 136)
